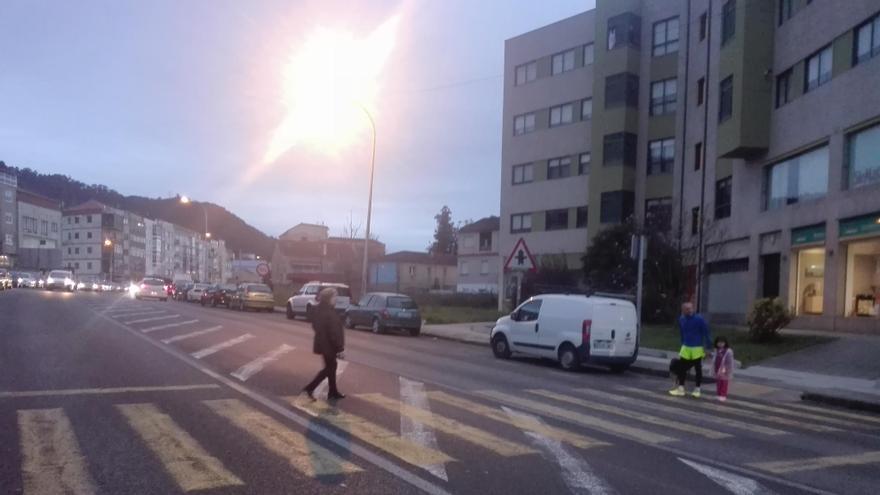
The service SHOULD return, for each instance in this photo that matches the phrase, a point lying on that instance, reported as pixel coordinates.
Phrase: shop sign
(869, 224)
(808, 235)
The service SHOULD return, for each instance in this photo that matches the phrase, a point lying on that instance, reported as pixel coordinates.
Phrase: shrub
(767, 317)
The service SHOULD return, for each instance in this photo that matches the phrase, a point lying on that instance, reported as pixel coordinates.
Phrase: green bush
(767, 317)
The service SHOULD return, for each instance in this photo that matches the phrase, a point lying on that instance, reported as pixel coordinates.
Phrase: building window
(810, 281)
(561, 115)
(661, 155)
(783, 88)
(521, 222)
(69, 220)
(704, 18)
(622, 90)
(75, 250)
(588, 54)
(412, 271)
(799, 178)
(76, 235)
(68, 236)
(88, 235)
(616, 206)
(89, 250)
(701, 91)
(523, 124)
(725, 106)
(818, 69)
(89, 265)
(8, 240)
(69, 250)
(658, 214)
(665, 37)
(663, 96)
(562, 62)
(526, 73)
(698, 156)
(587, 109)
(76, 265)
(862, 160)
(559, 168)
(484, 267)
(785, 10)
(728, 21)
(523, 173)
(76, 219)
(485, 241)
(9, 219)
(620, 149)
(8, 196)
(556, 219)
(723, 198)
(54, 227)
(584, 163)
(867, 41)
(583, 217)
(624, 29)
(88, 219)
(695, 220)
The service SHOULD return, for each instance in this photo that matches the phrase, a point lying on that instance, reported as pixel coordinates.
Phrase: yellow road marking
(184, 459)
(766, 430)
(731, 409)
(799, 414)
(102, 391)
(645, 418)
(371, 433)
(782, 467)
(450, 426)
(835, 412)
(303, 454)
(518, 421)
(51, 460)
(636, 434)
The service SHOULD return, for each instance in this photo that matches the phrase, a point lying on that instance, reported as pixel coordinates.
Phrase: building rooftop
(488, 224)
(90, 206)
(33, 198)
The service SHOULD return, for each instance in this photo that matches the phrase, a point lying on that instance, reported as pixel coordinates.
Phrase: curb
(844, 402)
(453, 339)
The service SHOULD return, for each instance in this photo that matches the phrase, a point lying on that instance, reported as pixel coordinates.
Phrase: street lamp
(109, 244)
(186, 201)
(369, 200)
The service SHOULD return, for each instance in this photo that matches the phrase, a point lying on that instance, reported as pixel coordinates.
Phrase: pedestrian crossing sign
(520, 258)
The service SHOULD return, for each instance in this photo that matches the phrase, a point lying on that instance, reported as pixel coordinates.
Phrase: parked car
(303, 302)
(252, 296)
(194, 294)
(219, 295)
(88, 282)
(381, 311)
(571, 329)
(151, 288)
(181, 290)
(26, 280)
(5, 279)
(60, 279)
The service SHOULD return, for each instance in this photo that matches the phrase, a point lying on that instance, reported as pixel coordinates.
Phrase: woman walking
(329, 343)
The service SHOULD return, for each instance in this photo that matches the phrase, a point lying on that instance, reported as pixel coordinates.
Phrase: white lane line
(222, 345)
(138, 313)
(168, 325)
(191, 334)
(412, 393)
(258, 364)
(321, 389)
(155, 318)
(734, 483)
(576, 473)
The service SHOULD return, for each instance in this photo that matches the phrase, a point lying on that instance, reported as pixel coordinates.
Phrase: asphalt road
(103, 394)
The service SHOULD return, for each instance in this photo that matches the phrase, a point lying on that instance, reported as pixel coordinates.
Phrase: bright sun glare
(326, 82)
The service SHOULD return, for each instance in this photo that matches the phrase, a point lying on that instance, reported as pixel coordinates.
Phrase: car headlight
(68, 281)
(50, 280)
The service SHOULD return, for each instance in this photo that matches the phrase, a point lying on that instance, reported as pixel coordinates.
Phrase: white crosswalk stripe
(321, 389)
(255, 366)
(154, 318)
(190, 335)
(222, 345)
(734, 483)
(168, 325)
(412, 393)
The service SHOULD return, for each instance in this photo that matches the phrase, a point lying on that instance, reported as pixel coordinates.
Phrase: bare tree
(351, 229)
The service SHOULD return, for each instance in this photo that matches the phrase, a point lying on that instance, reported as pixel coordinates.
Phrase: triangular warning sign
(520, 258)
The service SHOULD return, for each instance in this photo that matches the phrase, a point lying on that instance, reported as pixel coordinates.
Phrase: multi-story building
(8, 217)
(39, 232)
(479, 262)
(181, 254)
(411, 272)
(748, 130)
(101, 241)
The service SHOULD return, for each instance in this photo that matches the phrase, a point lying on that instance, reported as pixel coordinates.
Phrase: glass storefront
(863, 279)
(810, 281)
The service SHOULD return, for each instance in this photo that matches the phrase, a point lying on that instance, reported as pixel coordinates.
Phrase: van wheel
(289, 312)
(568, 358)
(618, 368)
(500, 347)
(377, 327)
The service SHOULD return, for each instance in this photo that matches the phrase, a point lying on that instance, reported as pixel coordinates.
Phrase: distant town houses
(479, 261)
(413, 271)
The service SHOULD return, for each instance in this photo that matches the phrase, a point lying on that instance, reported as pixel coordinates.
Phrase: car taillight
(143, 286)
(585, 331)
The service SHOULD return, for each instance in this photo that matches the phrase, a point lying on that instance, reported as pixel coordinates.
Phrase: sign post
(638, 248)
(520, 260)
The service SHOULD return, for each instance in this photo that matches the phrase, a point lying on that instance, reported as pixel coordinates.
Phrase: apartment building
(97, 240)
(749, 131)
(39, 232)
(8, 217)
(479, 262)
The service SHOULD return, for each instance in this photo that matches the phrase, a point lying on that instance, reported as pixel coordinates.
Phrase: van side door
(524, 327)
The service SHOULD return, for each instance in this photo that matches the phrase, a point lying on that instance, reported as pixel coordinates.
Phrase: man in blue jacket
(694, 339)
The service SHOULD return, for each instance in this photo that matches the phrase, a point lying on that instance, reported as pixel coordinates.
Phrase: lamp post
(109, 244)
(186, 201)
(369, 200)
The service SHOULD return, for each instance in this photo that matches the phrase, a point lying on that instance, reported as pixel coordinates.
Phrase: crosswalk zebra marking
(800, 414)
(734, 483)
(412, 393)
(51, 458)
(321, 389)
(167, 325)
(105, 391)
(222, 345)
(257, 365)
(835, 412)
(303, 454)
(154, 318)
(809, 464)
(190, 335)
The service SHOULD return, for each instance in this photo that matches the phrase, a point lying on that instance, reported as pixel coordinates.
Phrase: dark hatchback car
(381, 311)
(180, 291)
(218, 295)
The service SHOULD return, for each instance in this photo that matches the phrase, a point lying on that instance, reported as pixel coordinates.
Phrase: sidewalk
(844, 373)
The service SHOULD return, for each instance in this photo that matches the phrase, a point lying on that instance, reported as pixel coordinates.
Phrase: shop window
(863, 279)
(810, 285)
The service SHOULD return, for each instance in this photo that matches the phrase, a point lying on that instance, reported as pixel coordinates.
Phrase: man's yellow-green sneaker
(696, 394)
(677, 391)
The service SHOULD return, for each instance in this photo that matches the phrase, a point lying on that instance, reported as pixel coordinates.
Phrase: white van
(572, 329)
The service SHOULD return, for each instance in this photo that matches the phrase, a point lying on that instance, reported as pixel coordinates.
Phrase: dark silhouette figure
(329, 342)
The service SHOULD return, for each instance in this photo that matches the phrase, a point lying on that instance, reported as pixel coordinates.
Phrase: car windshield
(263, 289)
(58, 274)
(153, 281)
(401, 303)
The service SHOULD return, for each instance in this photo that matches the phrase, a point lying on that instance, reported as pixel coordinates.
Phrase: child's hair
(720, 339)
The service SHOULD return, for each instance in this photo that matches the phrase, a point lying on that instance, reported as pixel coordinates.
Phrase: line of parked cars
(54, 280)
(243, 297)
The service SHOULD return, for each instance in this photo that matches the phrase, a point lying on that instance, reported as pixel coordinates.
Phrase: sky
(184, 97)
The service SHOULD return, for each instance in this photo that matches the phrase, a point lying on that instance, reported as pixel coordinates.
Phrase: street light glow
(108, 242)
(326, 80)
(185, 200)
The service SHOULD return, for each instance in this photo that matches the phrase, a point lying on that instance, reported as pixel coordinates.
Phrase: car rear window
(153, 281)
(342, 291)
(401, 302)
(259, 288)
(58, 274)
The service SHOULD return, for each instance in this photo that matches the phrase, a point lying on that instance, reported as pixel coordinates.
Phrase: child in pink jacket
(723, 367)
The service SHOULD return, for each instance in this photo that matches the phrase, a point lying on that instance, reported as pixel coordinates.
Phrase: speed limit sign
(262, 269)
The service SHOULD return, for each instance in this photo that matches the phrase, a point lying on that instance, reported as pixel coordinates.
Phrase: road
(103, 394)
